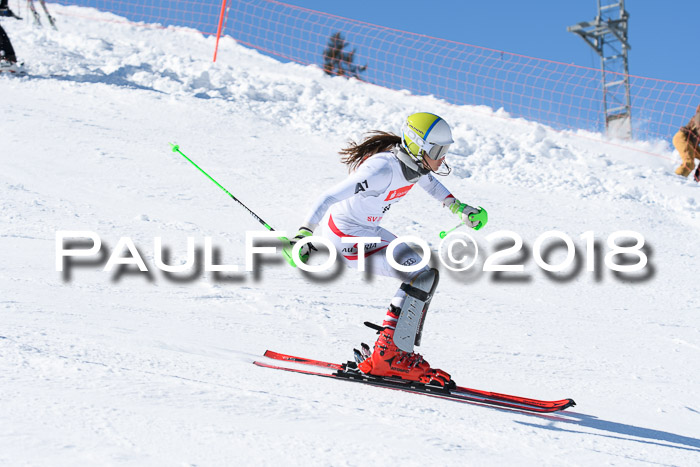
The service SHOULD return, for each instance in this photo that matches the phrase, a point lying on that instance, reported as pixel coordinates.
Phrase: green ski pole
(481, 216)
(286, 250)
(443, 234)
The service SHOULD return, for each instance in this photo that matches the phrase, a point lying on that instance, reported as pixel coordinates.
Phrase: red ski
(459, 394)
(305, 361)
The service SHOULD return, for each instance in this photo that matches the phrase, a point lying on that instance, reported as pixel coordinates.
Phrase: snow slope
(131, 368)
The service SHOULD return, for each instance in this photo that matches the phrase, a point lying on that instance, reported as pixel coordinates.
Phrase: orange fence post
(218, 31)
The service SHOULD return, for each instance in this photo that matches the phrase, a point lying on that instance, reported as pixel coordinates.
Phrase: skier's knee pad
(419, 292)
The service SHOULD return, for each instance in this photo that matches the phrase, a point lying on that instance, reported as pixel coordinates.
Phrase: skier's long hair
(377, 141)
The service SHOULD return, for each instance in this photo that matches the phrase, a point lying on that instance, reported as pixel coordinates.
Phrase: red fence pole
(218, 32)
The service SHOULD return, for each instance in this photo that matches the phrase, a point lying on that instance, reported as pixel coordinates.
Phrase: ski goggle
(437, 151)
(432, 150)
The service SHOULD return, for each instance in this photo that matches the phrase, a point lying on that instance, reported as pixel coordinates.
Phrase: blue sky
(664, 35)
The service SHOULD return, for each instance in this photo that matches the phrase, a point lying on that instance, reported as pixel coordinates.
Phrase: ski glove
(305, 250)
(696, 176)
(471, 216)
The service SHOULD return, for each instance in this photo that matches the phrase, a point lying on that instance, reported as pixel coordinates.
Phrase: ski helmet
(426, 134)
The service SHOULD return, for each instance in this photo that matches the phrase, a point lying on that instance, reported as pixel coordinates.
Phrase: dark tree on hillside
(338, 62)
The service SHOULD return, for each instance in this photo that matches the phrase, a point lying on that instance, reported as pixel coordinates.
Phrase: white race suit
(357, 205)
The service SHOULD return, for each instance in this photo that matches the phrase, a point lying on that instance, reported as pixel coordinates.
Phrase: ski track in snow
(123, 367)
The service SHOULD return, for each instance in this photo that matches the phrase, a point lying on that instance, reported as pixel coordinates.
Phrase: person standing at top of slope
(7, 53)
(686, 141)
(8, 59)
(384, 167)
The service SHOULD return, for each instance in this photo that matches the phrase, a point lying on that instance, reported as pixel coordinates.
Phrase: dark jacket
(8, 53)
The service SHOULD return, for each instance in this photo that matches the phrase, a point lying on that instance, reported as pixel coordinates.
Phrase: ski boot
(388, 361)
(5, 11)
(12, 68)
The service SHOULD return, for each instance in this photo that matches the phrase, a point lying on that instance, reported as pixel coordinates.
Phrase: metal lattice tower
(607, 34)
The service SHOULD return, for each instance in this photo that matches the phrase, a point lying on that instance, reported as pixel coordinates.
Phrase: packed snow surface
(149, 368)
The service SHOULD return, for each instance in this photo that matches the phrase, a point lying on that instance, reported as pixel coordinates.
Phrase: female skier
(384, 167)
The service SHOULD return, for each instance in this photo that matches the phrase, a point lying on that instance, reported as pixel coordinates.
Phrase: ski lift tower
(607, 34)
